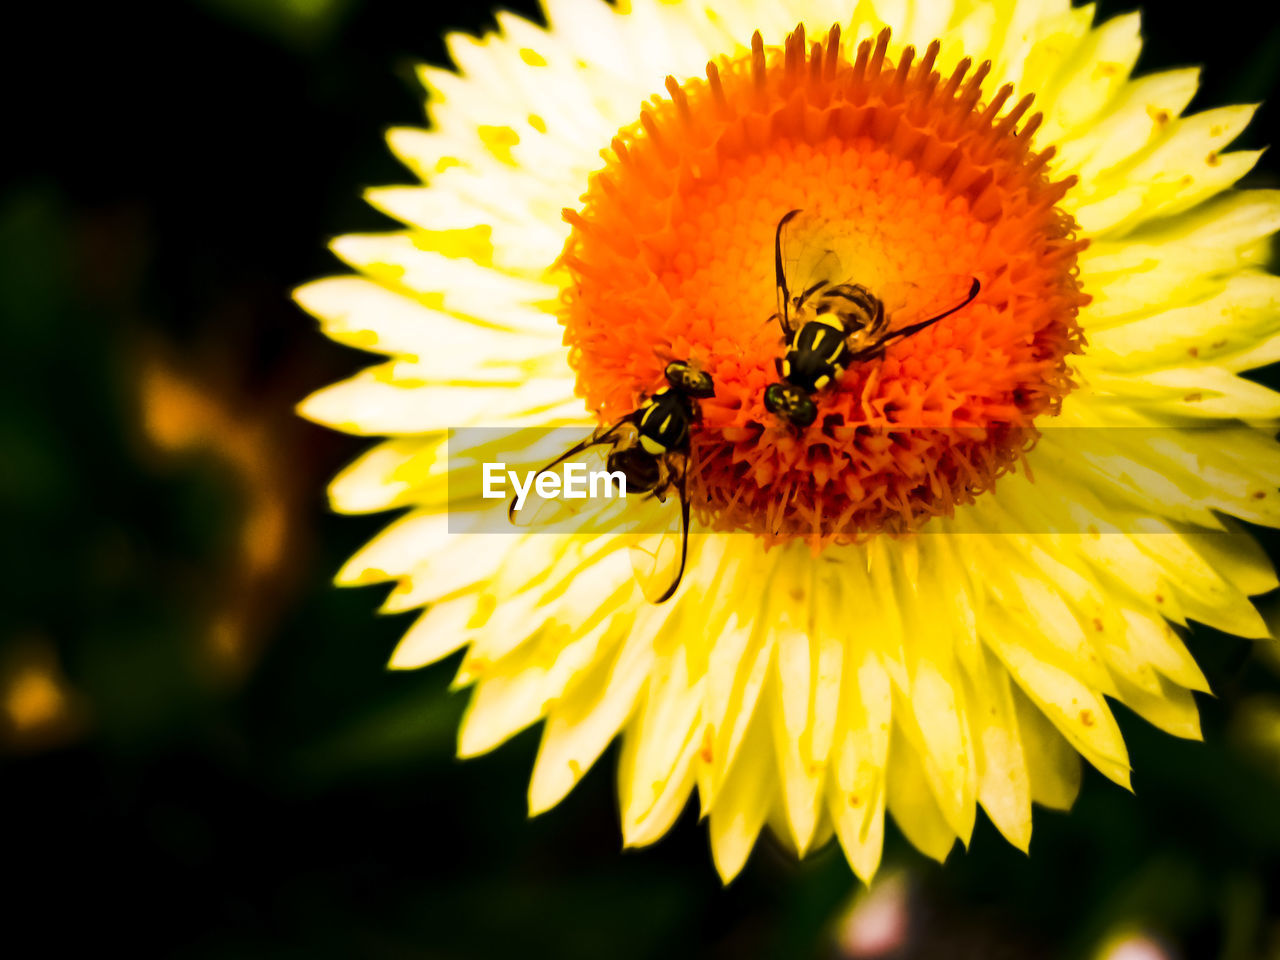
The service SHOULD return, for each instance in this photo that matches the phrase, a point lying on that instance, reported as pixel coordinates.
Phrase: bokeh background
(203, 754)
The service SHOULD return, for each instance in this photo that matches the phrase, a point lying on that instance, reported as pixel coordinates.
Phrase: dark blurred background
(203, 753)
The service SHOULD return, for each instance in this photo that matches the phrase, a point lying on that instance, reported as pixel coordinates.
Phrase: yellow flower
(901, 632)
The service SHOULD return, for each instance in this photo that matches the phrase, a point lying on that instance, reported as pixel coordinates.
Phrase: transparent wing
(570, 487)
(912, 307)
(805, 260)
(813, 250)
(659, 552)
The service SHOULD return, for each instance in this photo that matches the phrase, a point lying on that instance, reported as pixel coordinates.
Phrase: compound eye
(794, 406)
(700, 385)
(804, 412)
(774, 397)
(689, 380)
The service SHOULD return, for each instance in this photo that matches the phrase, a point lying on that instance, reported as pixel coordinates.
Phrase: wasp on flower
(649, 447)
(830, 324)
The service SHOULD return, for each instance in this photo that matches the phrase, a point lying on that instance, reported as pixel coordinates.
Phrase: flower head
(915, 185)
(993, 523)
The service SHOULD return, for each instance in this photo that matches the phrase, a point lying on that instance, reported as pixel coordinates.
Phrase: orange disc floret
(919, 181)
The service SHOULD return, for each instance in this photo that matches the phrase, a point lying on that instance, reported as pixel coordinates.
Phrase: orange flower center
(918, 182)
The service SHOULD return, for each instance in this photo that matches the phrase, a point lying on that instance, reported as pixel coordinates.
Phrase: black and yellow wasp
(650, 448)
(831, 323)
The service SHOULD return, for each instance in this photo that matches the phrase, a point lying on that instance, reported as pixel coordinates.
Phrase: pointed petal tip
(1018, 835)
(634, 836)
(539, 803)
(729, 866)
(865, 862)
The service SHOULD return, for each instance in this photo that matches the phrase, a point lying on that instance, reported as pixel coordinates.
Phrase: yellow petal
(393, 399)
(1089, 79)
(1132, 121)
(1178, 259)
(1004, 786)
(1243, 312)
(1153, 641)
(1077, 711)
(800, 780)
(1171, 708)
(441, 630)
(1053, 767)
(386, 476)
(739, 661)
(585, 720)
(459, 285)
(1184, 167)
(856, 783)
(1236, 557)
(656, 770)
(912, 803)
(397, 549)
(743, 804)
(443, 347)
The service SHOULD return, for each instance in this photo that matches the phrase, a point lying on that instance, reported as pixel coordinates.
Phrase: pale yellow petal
(912, 803)
(860, 764)
(586, 719)
(1088, 80)
(800, 781)
(458, 285)
(1184, 167)
(656, 770)
(1245, 311)
(1170, 708)
(441, 630)
(743, 804)
(385, 476)
(443, 347)
(396, 550)
(394, 399)
(1004, 786)
(1140, 112)
(518, 691)
(1053, 767)
(1077, 711)
(1177, 260)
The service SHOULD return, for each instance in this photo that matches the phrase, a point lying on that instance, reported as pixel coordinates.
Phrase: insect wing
(805, 260)
(780, 274)
(911, 307)
(546, 503)
(658, 554)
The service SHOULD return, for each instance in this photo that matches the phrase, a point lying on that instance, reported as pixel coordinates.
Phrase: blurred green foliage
(268, 788)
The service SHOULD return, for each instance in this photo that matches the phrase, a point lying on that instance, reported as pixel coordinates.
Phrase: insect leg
(684, 535)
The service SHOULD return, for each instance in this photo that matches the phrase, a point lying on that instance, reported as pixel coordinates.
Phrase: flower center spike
(842, 178)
